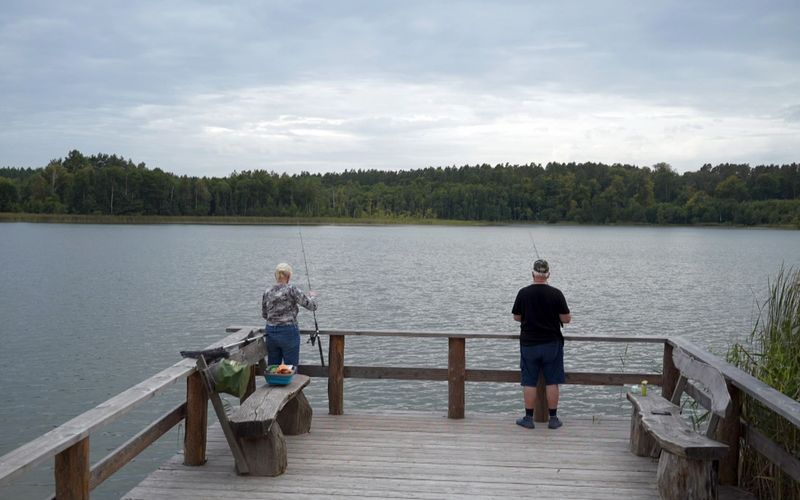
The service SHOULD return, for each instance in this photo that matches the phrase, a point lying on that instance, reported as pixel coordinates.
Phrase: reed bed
(773, 356)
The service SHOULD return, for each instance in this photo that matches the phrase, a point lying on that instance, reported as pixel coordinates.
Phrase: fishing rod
(312, 339)
(534, 244)
(215, 353)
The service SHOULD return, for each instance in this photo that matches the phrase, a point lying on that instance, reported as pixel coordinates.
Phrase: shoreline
(319, 221)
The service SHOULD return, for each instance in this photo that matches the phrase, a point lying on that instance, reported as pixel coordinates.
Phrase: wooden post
(251, 385)
(729, 431)
(670, 373)
(194, 441)
(540, 413)
(72, 472)
(336, 375)
(456, 374)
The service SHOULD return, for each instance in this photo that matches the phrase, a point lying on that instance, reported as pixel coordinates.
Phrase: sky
(207, 88)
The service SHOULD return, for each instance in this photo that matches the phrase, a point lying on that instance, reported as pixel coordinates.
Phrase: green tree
(8, 195)
(732, 188)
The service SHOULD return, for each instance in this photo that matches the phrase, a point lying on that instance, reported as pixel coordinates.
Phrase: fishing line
(530, 235)
(312, 339)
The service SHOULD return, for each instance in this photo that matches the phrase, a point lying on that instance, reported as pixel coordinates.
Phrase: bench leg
(642, 444)
(265, 455)
(680, 478)
(295, 417)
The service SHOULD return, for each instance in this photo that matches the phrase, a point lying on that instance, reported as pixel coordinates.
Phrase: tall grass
(773, 356)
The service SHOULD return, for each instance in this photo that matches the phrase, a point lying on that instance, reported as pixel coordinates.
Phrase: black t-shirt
(540, 306)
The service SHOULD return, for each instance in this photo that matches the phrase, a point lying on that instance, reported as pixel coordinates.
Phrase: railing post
(336, 374)
(72, 472)
(540, 413)
(729, 431)
(194, 442)
(456, 374)
(670, 373)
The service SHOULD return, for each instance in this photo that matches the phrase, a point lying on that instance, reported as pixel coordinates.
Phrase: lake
(90, 310)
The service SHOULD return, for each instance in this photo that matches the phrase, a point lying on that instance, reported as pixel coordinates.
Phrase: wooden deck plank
(425, 456)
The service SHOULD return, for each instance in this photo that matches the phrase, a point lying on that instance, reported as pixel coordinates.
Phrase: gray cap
(541, 266)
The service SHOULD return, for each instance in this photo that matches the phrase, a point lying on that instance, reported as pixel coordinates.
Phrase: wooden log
(257, 414)
(729, 431)
(194, 442)
(295, 417)
(713, 383)
(680, 478)
(456, 374)
(540, 413)
(265, 455)
(336, 375)
(641, 443)
(72, 472)
(238, 456)
(251, 385)
(669, 378)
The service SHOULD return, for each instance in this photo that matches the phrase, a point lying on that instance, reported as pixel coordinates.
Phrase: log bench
(262, 420)
(255, 429)
(689, 461)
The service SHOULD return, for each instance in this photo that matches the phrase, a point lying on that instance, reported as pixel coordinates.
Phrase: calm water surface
(88, 311)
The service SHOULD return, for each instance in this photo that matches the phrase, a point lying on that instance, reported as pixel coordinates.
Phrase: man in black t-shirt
(541, 310)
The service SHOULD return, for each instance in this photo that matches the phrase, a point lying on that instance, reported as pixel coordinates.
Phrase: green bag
(231, 377)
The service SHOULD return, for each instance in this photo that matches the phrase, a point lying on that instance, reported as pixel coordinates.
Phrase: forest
(587, 193)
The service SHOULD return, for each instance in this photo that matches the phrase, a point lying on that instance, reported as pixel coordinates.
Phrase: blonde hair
(283, 269)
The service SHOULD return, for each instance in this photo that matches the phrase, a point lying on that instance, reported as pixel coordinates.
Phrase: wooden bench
(689, 461)
(255, 430)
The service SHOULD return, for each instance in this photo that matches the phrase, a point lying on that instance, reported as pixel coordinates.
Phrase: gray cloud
(202, 88)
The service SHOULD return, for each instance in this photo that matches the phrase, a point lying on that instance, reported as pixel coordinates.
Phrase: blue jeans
(283, 344)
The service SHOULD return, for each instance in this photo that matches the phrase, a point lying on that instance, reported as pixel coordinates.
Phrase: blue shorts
(549, 358)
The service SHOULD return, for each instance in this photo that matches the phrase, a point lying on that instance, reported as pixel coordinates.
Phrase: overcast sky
(202, 88)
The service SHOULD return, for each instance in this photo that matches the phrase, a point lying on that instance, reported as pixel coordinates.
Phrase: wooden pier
(353, 453)
(425, 456)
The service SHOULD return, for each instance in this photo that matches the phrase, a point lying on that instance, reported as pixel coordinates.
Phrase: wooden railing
(75, 477)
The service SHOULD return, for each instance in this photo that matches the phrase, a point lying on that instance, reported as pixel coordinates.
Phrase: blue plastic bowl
(279, 378)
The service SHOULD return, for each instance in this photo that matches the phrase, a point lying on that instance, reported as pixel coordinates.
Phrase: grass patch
(773, 356)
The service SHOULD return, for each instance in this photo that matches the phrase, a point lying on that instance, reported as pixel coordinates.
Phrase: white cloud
(333, 125)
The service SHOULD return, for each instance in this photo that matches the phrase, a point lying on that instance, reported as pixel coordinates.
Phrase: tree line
(592, 193)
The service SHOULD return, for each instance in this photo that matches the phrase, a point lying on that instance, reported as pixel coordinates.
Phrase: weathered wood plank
(115, 460)
(476, 375)
(33, 453)
(781, 404)
(255, 416)
(774, 453)
(423, 455)
(711, 380)
(648, 339)
(72, 472)
(336, 375)
(219, 409)
(194, 441)
(675, 436)
(456, 365)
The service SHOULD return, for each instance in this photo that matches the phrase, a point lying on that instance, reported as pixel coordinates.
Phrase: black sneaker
(554, 423)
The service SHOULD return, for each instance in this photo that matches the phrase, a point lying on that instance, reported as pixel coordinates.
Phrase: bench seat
(254, 424)
(688, 461)
(662, 421)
